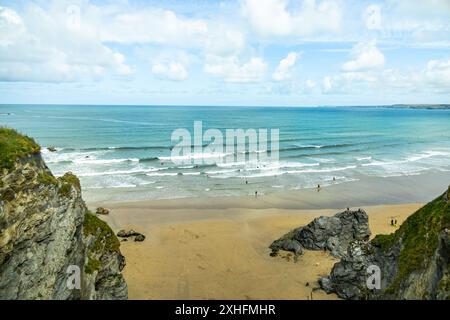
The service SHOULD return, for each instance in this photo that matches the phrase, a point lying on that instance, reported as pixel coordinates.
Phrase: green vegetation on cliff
(14, 146)
(99, 228)
(104, 240)
(419, 238)
(68, 181)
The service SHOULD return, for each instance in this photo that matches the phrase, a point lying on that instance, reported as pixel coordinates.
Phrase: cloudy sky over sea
(249, 52)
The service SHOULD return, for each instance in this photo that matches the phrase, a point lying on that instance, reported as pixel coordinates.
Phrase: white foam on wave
(115, 186)
(327, 170)
(165, 174)
(255, 165)
(73, 156)
(222, 171)
(364, 158)
(104, 161)
(193, 156)
(413, 158)
(118, 172)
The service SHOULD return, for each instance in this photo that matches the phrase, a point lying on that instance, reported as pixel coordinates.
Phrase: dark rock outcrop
(413, 262)
(326, 233)
(138, 237)
(46, 231)
(102, 211)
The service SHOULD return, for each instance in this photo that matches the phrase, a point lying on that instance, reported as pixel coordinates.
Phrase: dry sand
(210, 251)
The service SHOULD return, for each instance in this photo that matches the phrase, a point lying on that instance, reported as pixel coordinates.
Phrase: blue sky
(243, 52)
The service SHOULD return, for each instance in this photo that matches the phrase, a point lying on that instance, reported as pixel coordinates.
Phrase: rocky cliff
(47, 234)
(413, 262)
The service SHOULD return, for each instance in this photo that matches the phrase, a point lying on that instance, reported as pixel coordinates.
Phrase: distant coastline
(429, 106)
(421, 106)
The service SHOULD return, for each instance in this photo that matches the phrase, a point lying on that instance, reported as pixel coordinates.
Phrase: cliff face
(413, 262)
(46, 232)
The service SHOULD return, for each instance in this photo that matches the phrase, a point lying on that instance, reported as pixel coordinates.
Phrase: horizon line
(236, 106)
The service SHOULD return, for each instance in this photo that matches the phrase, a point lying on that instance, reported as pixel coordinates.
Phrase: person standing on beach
(256, 194)
(318, 187)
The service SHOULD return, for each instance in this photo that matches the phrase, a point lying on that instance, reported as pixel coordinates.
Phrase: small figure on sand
(318, 187)
(392, 222)
(256, 194)
(395, 222)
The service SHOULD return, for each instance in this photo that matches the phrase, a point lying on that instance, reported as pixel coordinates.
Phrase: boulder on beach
(138, 237)
(332, 234)
(102, 211)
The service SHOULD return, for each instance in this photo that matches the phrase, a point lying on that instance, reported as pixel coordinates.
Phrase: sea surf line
(250, 145)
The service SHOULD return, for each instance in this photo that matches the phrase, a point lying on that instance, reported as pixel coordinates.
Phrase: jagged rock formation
(326, 233)
(45, 228)
(414, 261)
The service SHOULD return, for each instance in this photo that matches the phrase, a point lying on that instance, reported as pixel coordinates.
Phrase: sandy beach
(218, 248)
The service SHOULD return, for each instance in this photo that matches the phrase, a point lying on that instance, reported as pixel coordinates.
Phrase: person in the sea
(334, 178)
(318, 187)
(246, 181)
(256, 194)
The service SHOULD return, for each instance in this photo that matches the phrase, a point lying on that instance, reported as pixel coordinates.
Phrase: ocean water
(128, 149)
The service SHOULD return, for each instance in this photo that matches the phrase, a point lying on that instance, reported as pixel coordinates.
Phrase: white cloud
(229, 68)
(348, 82)
(174, 71)
(310, 84)
(165, 27)
(437, 73)
(37, 45)
(283, 71)
(366, 56)
(273, 18)
(420, 8)
(413, 23)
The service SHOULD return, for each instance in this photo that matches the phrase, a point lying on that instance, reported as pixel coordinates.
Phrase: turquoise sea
(128, 148)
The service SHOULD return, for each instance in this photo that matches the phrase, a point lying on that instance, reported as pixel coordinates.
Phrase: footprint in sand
(189, 235)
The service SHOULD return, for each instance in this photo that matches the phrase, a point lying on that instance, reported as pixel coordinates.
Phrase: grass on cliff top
(102, 232)
(14, 146)
(68, 181)
(419, 236)
(104, 241)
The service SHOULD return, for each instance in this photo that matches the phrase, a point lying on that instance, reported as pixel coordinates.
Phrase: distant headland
(420, 106)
